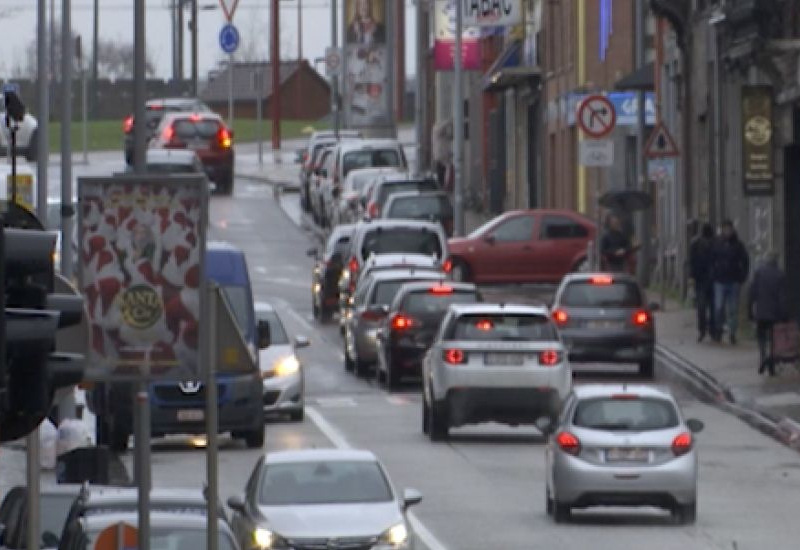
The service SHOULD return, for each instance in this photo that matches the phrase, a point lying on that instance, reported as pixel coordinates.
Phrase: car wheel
(561, 512)
(548, 505)
(686, 513)
(33, 147)
(297, 416)
(461, 271)
(426, 413)
(647, 368)
(392, 375)
(438, 424)
(254, 439)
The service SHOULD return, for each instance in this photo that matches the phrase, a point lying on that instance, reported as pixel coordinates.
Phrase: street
(484, 488)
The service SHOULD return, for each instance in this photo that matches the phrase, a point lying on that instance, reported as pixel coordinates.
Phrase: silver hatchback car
(625, 445)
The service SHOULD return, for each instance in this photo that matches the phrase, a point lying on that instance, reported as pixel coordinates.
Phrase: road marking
(397, 400)
(340, 441)
(334, 402)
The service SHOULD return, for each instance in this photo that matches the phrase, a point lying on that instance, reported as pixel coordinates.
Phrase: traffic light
(31, 371)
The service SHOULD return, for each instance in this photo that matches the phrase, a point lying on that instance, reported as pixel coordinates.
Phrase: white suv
(27, 134)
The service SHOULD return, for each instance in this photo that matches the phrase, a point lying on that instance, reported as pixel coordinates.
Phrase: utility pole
(299, 30)
(458, 123)
(335, 78)
(400, 62)
(139, 87)
(642, 222)
(95, 49)
(179, 40)
(276, 75)
(67, 59)
(173, 14)
(52, 58)
(195, 89)
(421, 122)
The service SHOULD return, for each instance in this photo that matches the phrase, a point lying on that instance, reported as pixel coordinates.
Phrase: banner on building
(492, 13)
(444, 45)
(757, 132)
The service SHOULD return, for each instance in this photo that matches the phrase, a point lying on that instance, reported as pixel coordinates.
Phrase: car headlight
(395, 538)
(265, 539)
(286, 366)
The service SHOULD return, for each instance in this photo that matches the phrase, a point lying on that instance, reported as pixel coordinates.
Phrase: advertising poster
(757, 135)
(444, 40)
(367, 64)
(141, 265)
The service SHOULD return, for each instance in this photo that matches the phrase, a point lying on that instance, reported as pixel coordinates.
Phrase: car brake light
(373, 210)
(447, 266)
(454, 356)
(168, 134)
(402, 322)
(682, 444)
(568, 443)
(602, 280)
(485, 325)
(194, 117)
(127, 124)
(549, 357)
(352, 266)
(441, 289)
(641, 318)
(560, 317)
(224, 137)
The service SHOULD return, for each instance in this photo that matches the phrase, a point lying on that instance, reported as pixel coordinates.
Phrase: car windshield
(588, 294)
(54, 511)
(420, 208)
(323, 482)
(494, 327)
(369, 158)
(626, 413)
(389, 188)
(432, 301)
(401, 239)
(170, 538)
(237, 299)
(277, 333)
(195, 129)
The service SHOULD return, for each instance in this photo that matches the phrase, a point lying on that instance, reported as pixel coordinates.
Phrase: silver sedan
(626, 445)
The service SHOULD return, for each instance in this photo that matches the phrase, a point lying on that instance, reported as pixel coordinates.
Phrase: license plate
(627, 455)
(504, 359)
(604, 324)
(190, 415)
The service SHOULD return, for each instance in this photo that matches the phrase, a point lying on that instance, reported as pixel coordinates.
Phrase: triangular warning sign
(661, 144)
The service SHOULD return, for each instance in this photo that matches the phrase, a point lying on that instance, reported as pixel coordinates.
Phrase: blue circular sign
(229, 38)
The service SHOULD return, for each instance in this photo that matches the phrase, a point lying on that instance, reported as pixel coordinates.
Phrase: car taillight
(440, 290)
(168, 134)
(568, 443)
(484, 325)
(127, 124)
(682, 444)
(454, 356)
(402, 322)
(352, 266)
(447, 266)
(602, 280)
(560, 317)
(224, 138)
(549, 357)
(373, 210)
(641, 318)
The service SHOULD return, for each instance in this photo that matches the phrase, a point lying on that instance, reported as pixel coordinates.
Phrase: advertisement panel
(757, 135)
(492, 13)
(141, 268)
(444, 40)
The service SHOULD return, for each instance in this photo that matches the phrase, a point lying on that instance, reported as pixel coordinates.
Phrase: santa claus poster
(142, 244)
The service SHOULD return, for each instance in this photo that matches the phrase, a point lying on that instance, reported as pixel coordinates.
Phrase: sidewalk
(729, 375)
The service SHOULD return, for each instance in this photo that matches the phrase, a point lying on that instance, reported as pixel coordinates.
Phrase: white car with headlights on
(622, 444)
(493, 362)
(281, 370)
(322, 499)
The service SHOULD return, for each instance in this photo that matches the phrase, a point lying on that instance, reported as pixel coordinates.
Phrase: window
(630, 413)
(421, 186)
(399, 239)
(519, 228)
(276, 331)
(421, 207)
(201, 129)
(370, 158)
(617, 294)
(385, 292)
(425, 302)
(562, 227)
(499, 327)
(238, 301)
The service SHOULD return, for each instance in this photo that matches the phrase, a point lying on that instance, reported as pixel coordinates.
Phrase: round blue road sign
(229, 38)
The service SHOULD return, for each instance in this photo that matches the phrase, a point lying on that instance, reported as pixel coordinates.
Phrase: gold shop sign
(757, 132)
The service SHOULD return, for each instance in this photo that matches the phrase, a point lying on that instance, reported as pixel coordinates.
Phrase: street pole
(230, 90)
(642, 221)
(173, 14)
(400, 62)
(85, 114)
(422, 87)
(195, 89)
(95, 48)
(179, 41)
(335, 79)
(43, 110)
(276, 75)
(259, 115)
(67, 209)
(212, 423)
(139, 88)
(299, 30)
(142, 458)
(458, 124)
(32, 473)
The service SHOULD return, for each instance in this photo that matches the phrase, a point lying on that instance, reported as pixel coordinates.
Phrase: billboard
(757, 133)
(141, 265)
(444, 45)
(494, 13)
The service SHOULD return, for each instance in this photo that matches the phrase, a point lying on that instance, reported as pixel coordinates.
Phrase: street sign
(228, 11)
(229, 38)
(597, 116)
(661, 144)
(333, 61)
(597, 153)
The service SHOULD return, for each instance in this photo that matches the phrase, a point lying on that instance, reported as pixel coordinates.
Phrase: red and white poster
(444, 45)
(142, 251)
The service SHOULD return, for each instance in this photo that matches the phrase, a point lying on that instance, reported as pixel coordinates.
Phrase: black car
(54, 503)
(410, 326)
(327, 270)
(603, 317)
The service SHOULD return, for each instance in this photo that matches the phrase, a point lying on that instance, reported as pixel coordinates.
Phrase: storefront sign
(757, 134)
(492, 13)
(445, 44)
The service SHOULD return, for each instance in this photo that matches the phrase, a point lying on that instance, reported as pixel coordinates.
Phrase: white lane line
(340, 441)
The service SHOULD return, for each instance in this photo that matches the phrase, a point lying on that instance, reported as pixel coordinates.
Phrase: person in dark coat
(700, 263)
(615, 246)
(730, 267)
(766, 305)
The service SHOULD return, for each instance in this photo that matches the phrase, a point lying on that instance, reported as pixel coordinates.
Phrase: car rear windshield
(626, 413)
(370, 158)
(385, 291)
(334, 482)
(188, 129)
(401, 239)
(429, 301)
(588, 294)
(533, 328)
(238, 301)
(421, 186)
(420, 208)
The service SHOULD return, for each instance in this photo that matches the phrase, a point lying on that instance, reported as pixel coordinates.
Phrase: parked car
(54, 504)
(622, 444)
(493, 362)
(208, 136)
(523, 246)
(395, 183)
(26, 138)
(604, 317)
(322, 498)
(155, 109)
(411, 323)
(319, 174)
(327, 272)
(346, 207)
(427, 206)
(318, 140)
(281, 371)
(370, 305)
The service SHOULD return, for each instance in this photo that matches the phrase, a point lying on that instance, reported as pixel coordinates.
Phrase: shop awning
(512, 77)
(642, 78)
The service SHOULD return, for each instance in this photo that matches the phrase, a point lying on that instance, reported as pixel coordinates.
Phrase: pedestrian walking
(701, 253)
(767, 305)
(615, 246)
(731, 265)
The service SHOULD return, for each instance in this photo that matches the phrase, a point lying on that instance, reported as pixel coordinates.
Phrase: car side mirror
(49, 540)
(301, 341)
(695, 425)
(411, 497)
(264, 337)
(654, 306)
(489, 239)
(311, 252)
(236, 503)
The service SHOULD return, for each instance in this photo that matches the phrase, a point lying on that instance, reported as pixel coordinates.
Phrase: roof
(384, 224)
(244, 78)
(483, 308)
(588, 391)
(373, 171)
(99, 496)
(642, 78)
(403, 177)
(341, 230)
(414, 194)
(317, 455)
(170, 156)
(173, 115)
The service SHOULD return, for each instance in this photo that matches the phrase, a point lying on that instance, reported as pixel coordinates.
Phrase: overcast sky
(18, 29)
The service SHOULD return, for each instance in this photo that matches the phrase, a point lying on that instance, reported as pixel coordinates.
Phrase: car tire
(549, 505)
(254, 439)
(686, 513)
(297, 416)
(426, 413)
(438, 427)
(33, 147)
(460, 271)
(561, 512)
(647, 369)
(349, 365)
(392, 375)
